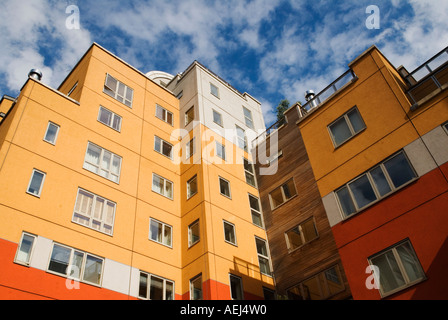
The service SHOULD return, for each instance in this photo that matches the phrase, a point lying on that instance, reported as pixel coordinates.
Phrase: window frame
(99, 167)
(164, 225)
(149, 284)
(72, 89)
(247, 163)
(31, 250)
(215, 94)
(58, 127)
(228, 184)
(220, 123)
(189, 194)
(373, 185)
(304, 241)
(402, 269)
(259, 211)
(190, 148)
(222, 148)
(264, 257)
(282, 190)
(190, 233)
(92, 209)
(192, 281)
(112, 119)
(241, 139)
(188, 119)
(115, 91)
(248, 118)
(349, 125)
(164, 186)
(83, 265)
(240, 286)
(235, 243)
(41, 186)
(162, 142)
(165, 113)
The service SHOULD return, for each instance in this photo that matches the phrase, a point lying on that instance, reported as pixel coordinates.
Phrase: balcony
(428, 80)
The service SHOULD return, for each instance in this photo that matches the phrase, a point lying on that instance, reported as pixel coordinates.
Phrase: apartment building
(377, 141)
(125, 185)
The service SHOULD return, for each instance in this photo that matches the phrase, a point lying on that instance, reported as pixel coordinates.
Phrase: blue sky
(272, 49)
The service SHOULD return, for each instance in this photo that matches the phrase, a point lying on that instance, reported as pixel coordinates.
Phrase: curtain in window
(60, 259)
(410, 263)
(390, 275)
(92, 160)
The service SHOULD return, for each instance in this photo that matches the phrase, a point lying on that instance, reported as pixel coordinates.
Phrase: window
(189, 116)
(268, 294)
(192, 187)
(152, 287)
(236, 287)
(445, 126)
(94, 212)
(301, 234)
(229, 232)
(25, 249)
(255, 211)
(224, 187)
(76, 264)
(196, 288)
(36, 183)
(160, 232)
(346, 127)
(282, 194)
(191, 148)
(248, 118)
(164, 114)
(241, 138)
(217, 118)
(162, 186)
(321, 286)
(163, 147)
(102, 162)
(193, 233)
(263, 256)
(118, 90)
(375, 184)
(398, 268)
(72, 89)
(109, 118)
(214, 90)
(52, 133)
(220, 151)
(250, 174)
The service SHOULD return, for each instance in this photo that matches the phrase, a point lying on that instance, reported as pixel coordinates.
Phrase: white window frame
(190, 148)
(241, 138)
(191, 241)
(161, 142)
(220, 150)
(113, 117)
(240, 286)
(228, 184)
(94, 219)
(224, 223)
(164, 226)
(402, 269)
(72, 89)
(254, 210)
(31, 250)
(83, 265)
(247, 173)
(149, 277)
(219, 116)
(165, 181)
(164, 116)
(192, 281)
(189, 193)
(285, 198)
(299, 228)
(100, 170)
(37, 195)
(50, 123)
(114, 91)
(349, 125)
(263, 257)
(214, 88)
(248, 119)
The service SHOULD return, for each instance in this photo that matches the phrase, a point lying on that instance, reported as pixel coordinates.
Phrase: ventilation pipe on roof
(309, 96)
(35, 74)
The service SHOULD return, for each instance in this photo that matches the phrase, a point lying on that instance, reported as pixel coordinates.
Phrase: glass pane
(98, 210)
(261, 247)
(143, 286)
(193, 234)
(76, 265)
(390, 275)
(229, 233)
(399, 170)
(217, 118)
(156, 290)
(236, 288)
(362, 191)
(309, 230)
(224, 187)
(111, 83)
(256, 218)
(311, 289)
(155, 231)
(168, 189)
(121, 88)
(105, 116)
(110, 212)
(334, 281)
(254, 203)
(84, 203)
(196, 289)
(116, 123)
(289, 189)
(157, 144)
(36, 183)
(167, 235)
(60, 259)
(169, 290)
(92, 270)
(129, 95)
(157, 184)
(93, 154)
(294, 238)
(356, 120)
(380, 181)
(250, 179)
(410, 262)
(346, 201)
(264, 265)
(214, 90)
(107, 156)
(276, 197)
(192, 187)
(23, 255)
(167, 149)
(116, 164)
(340, 131)
(51, 133)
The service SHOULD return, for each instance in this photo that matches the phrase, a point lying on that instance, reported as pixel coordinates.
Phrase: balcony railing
(428, 79)
(348, 77)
